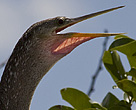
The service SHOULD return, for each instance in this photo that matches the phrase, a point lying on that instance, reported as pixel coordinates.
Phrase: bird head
(51, 45)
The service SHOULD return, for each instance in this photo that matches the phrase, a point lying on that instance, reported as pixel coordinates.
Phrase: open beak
(74, 39)
(82, 18)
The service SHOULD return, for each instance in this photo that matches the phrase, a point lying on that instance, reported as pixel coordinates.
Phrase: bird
(39, 48)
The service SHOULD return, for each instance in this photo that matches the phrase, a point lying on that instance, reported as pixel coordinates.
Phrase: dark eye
(61, 21)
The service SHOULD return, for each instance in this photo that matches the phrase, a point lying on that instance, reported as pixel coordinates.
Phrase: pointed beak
(82, 18)
(72, 40)
(85, 17)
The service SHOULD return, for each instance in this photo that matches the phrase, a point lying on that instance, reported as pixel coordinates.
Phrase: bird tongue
(69, 44)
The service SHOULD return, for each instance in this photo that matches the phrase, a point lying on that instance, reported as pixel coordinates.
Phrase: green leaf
(78, 99)
(107, 58)
(60, 107)
(132, 61)
(111, 68)
(128, 86)
(124, 45)
(127, 46)
(132, 72)
(110, 100)
(120, 36)
(118, 64)
(122, 105)
(97, 105)
(92, 109)
(114, 66)
(119, 108)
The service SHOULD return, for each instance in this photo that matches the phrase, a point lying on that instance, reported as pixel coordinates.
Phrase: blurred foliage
(112, 62)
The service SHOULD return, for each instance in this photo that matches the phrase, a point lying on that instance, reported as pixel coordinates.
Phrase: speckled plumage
(28, 63)
(33, 56)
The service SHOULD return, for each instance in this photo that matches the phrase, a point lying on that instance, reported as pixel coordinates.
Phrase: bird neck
(27, 65)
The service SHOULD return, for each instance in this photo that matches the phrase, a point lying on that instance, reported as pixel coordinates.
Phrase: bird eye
(61, 21)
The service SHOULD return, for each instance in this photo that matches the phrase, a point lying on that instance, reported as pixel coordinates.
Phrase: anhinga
(36, 52)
